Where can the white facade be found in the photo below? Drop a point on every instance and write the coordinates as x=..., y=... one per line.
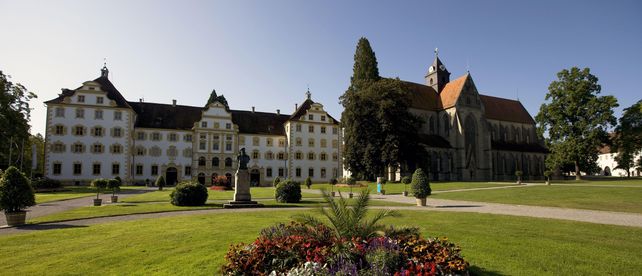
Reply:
x=93, y=132
x=608, y=166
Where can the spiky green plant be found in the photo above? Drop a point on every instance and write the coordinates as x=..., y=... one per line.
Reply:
x=348, y=219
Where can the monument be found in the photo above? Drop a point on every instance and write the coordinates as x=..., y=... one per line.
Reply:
x=242, y=196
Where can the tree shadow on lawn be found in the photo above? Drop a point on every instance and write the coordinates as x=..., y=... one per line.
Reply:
x=457, y=206
x=476, y=270
x=48, y=226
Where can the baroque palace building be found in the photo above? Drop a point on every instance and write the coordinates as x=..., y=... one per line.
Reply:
x=94, y=132
x=470, y=136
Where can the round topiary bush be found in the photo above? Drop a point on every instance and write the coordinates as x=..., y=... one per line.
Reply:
x=16, y=192
x=420, y=185
x=189, y=194
x=406, y=180
x=288, y=191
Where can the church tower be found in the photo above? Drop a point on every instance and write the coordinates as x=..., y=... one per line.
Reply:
x=437, y=75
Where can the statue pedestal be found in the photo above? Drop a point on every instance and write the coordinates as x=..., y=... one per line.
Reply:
x=242, y=196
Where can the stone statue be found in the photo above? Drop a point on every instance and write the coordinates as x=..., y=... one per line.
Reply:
x=243, y=159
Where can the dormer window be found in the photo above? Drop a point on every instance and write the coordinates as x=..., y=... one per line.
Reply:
x=203, y=124
x=310, y=117
x=323, y=118
x=81, y=98
x=99, y=100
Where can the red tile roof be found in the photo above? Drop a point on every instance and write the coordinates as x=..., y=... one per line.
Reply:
x=505, y=110
x=451, y=91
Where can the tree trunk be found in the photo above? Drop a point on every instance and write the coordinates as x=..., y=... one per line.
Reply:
x=577, y=171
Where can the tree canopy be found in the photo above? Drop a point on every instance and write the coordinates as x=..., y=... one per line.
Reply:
x=379, y=131
x=627, y=141
x=576, y=120
x=14, y=119
x=215, y=98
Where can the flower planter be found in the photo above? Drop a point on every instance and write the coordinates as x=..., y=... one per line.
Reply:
x=548, y=182
x=98, y=202
x=16, y=218
x=383, y=192
x=350, y=195
x=421, y=201
x=405, y=193
x=114, y=199
x=333, y=194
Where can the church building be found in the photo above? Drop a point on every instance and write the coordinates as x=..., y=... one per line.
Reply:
x=470, y=136
x=94, y=132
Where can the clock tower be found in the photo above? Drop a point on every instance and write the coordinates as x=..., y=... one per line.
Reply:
x=437, y=75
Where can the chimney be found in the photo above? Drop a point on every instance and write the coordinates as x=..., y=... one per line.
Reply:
x=173, y=103
x=140, y=100
x=252, y=109
x=296, y=106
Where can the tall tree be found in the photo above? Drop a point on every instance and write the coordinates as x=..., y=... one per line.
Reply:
x=14, y=119
x=627, y=141
x=576, y=119
x=215, y=98
x=379, y=131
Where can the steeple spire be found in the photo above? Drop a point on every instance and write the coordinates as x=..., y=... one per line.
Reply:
x=437, y=75
x=104, y=72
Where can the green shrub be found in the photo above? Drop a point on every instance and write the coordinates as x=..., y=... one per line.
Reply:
x=276, y=181
x=189, y=194
x=119, y=180
x=113, y=185
x=351, y=181
x=99, y=184
x=308, y=182
x=45, y=183
x=288, y=191
x=406, y=180
x=160, y=181
x=420, y=185
x=333, y=181
x=16, y=192
x=519, y=173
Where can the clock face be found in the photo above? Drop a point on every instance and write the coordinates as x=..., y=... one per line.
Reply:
x=431, y=69
x=442, y=67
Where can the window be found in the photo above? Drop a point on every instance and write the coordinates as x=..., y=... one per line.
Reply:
x=97, y=148
x=154, y=169
x=255, y=141
x=323, y=156
x=215, y=162
x=172, y=151
x=228, y=162
x=298, y=172
x=140, y=151
x=269, y=142
x=269, y=155
x=216, y=125
x=57, y=168
x=311, y=129
x=322, y=129
x=98, y=114
x=155, y=151
x=187, y=152
x=335, y=156
x=203, y=124
x=117, y=132
x=139, y=169
x=97, y=131
x=99, y=100
x=298, y=141
x=202, y=145
x=156, y=136
x=216, y=143
x=298, y=127
x=255, y=154
x=324, y=143
x=281, y=172
x=118, y=115
x=78, y=148
x=59, y=130
x=60, y=112
x=140, y=136
x=298, y=155
x=201, y=161
x=335, y=144
x=228, y=146
x=323, y=118
x=311, y=156
x=171, y=137
x=187, y=138
x=334, y=130
x=322, y=172
x=77, y=168
x=81, y=98
x=58, y=147
x=311, y=142
x=115, y=169
x=311, y=172
x=228, y=126
x=281, y=156
x=96, y=169
x=310, y=117
x=80, y=113
x=268, y=172
x=188, y=170
x=281, y=142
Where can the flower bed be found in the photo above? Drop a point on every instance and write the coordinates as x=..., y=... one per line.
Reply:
x=299, y=249
x=220, y=188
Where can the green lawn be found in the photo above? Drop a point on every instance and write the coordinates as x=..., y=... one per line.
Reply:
x=397, y=188
x=634, y=182
x=163, y=196
x=72, y=192
x=617, y=199
x=196, y=244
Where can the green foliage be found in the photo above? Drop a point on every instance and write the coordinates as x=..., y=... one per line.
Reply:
x=308, y=182
x=548, y=174
x=288, y=191
x=214, y=98
x=160, y=181
x=113, y=185
x=576, y=119
x=99, y=184
x=276, y=181
x=348, y=220
x=628, y=137
x=351, y=181
x=16, y=192
x=119, y=179
x=519, y=173
x=45, y=183
x=333, y=181
x=14, y=120
x=406, y=180
x=419, y=185
x=378, y=128
x=189, y=194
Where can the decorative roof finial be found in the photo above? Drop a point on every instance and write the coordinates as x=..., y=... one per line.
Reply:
x=104, y=72
x=436, y=52
x=308, y=95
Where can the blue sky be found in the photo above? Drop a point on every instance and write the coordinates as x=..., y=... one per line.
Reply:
x=266, y=53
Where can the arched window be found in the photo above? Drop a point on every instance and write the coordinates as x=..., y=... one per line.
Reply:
x=215, y=162
x=201, y=161
x=228, y=162
x=470, y=137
